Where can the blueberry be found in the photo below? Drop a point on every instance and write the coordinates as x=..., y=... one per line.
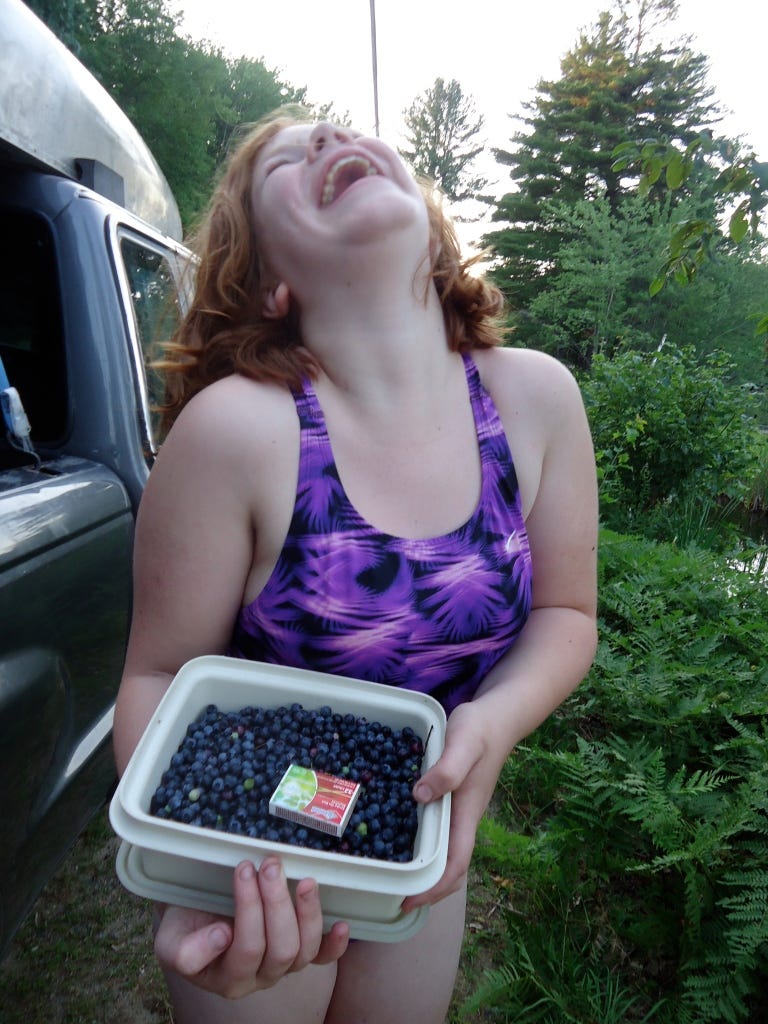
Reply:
x=228, y=765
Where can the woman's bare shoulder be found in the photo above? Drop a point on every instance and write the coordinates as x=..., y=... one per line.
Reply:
x=236, y=402
x=529, y=381
x=529, y=364
x=234, y=414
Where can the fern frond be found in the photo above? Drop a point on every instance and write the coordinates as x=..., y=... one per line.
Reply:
x=718, y=996
x=494, y=988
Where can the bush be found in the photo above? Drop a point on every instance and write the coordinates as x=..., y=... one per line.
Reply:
x=673, y=438
x=630, y=836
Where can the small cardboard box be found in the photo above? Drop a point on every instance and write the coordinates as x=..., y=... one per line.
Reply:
x=315, y=799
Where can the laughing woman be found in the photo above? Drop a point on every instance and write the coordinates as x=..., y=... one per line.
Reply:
x=358, y=479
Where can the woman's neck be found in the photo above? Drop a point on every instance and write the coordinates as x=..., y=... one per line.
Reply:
x=371, y=339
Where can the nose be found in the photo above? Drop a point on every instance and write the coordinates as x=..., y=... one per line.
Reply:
x=325, y=134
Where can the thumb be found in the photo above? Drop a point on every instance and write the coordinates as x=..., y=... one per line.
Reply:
x=198, y=950
x=186, y=949
x=458, y=759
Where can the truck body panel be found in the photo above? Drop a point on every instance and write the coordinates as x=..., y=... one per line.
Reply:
x=53, y=112
x=65, y=578
x=87, y=284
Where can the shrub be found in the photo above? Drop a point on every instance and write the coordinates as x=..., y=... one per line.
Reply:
x=673, y=437
x=629, y=840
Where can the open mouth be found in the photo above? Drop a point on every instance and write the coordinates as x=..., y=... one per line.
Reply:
x=342, y=174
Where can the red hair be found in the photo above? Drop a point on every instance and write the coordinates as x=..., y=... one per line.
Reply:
x=224, y=330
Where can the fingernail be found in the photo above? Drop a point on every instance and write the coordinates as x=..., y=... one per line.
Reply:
x=247, y=872
x=423, y=793
x=218, y=939
x=271, y=870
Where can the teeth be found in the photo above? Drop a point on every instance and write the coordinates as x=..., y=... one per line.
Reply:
x=329, y=188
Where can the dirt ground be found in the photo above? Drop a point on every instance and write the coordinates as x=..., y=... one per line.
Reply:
x=84, y=956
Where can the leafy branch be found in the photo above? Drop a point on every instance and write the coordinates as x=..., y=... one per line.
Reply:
x=692, y=240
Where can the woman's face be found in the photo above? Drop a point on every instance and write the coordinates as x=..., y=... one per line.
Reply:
x=323, y=195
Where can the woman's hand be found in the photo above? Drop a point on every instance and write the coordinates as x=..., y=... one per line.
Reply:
x=468, y=769
x=268, y=938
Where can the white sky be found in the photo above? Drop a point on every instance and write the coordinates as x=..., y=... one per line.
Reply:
x=496, y=49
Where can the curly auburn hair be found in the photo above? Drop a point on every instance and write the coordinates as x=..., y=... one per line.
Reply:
x=224, y=330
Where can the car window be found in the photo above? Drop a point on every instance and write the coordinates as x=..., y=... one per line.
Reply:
x=153, y=275
x=153, y=278
x=31, y=335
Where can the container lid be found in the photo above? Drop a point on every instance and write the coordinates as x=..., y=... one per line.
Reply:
x=130, y=871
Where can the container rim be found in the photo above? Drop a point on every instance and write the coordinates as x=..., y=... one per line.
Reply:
x=132, y=822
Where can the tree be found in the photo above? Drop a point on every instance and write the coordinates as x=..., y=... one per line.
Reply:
x=442, y=128
x=71, y=22
x=593, y=305
x=248, y=91
x=612, y=86
x=741, y=178
x=186, y=99
x=599, y=303
x=165, y=85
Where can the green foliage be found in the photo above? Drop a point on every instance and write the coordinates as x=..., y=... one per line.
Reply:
x=598, y=301
x=692, y=241
x=613, y=82
x=441, y=131
x=186, y=99
x=592, y=305
x=671, y=434
x=555, y=983
x=629, y=840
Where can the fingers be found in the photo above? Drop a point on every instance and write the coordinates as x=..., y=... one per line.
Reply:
x=443, y=777
x=243, y=959
x=281, y=923
x=309, y=915
x=464, y=747
x=334, y=944
x=468, y=769
x=452, y=879
x=271, y=934
x=461, y=843
x=316, y=947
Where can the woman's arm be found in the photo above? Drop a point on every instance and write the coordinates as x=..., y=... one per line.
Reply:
x=193, y=550
x=195, y=544
x=557, y=645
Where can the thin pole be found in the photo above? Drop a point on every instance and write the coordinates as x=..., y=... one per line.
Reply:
x=374, y=64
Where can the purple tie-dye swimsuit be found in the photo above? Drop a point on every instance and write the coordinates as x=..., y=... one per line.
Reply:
x=433, y=615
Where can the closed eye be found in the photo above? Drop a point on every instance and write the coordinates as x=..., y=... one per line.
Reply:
x=288, y=155
x=273, y=166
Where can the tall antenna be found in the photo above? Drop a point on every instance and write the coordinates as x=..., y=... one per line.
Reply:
x=375, y=67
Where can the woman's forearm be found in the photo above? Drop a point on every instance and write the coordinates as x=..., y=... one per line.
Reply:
x=551, y=657
x=136, y=703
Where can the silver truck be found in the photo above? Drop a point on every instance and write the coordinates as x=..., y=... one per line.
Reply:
x=91, y=270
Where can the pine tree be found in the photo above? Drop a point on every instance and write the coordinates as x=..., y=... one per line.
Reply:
x=613, y=86
x=442, y=127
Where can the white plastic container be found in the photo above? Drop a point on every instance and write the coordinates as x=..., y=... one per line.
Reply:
x=192, y=866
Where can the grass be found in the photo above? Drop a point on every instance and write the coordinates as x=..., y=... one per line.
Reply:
x=84, y=955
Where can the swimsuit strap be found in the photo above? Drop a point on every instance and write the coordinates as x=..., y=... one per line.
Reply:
x=494, y=452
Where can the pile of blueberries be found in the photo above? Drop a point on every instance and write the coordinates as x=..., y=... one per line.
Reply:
x=230, y=762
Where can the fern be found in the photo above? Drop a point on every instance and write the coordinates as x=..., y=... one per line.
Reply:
x=555, y=985
x=630, y=834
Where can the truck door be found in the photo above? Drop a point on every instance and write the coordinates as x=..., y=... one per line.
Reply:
x=66, y=528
